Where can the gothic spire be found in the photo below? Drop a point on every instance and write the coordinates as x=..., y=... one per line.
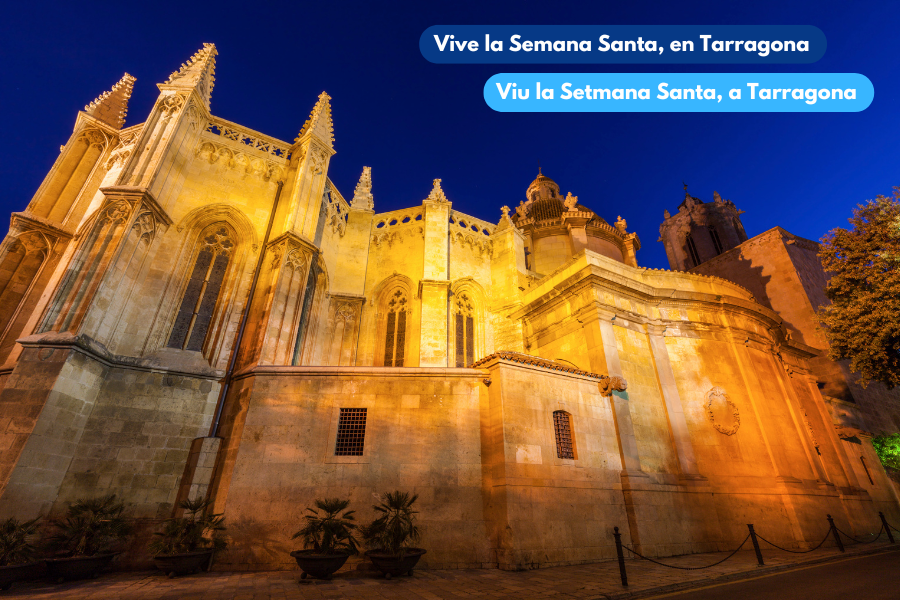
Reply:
x=198, y=72
x=362, y=197
x=112, y=106
x=319, y=121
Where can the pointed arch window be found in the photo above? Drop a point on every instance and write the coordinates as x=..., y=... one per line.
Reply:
x=692, y=249
x=565, y=444
x=464, y=330
x=395, y=332
x=203, y=289
x=717, y=243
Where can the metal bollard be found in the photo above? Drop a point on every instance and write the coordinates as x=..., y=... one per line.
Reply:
x=618, y=537
x=886, y=526
x=756, y=545
x=837, y=536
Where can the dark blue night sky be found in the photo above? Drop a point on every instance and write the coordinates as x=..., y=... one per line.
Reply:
x=412, y=121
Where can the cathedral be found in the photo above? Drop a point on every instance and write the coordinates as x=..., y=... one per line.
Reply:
x=192, y=308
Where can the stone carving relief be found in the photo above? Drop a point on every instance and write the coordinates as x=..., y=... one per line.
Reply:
x=316, y=160
x=170, y=105
x=571, y=202
x=477, y=245
x=717, y=403
x=230, y=159
x=621, y=225
x=94, y=137
x=812, y=434
x=116, y=212
x=346, y=312
x=123, y=149
x=145, y=225
x=608, y=385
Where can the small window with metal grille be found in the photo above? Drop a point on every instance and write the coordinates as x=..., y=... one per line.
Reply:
x=351, y=432
x=565, y=444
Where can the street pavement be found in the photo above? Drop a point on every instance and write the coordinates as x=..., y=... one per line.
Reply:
x=826, y=573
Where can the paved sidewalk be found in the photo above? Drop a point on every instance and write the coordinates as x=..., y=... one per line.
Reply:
x=599, y=580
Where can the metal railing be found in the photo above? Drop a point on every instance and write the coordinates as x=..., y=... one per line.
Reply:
x=755, y=538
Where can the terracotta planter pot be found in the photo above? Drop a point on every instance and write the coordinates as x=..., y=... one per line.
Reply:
x=10, y=574
x=392, y=565
x=320, y=566
x=80, y=567
x=184, y=563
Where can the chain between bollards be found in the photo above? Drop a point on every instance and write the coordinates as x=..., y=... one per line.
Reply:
x=837, y=536
x=759, y=557
x=886, y=526
x=621, y=556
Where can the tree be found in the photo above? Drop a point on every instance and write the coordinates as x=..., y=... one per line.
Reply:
x=863, y=321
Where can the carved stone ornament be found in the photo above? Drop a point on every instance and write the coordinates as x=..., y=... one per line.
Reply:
x=571, y=202
x=717, y=401
x=612, y=384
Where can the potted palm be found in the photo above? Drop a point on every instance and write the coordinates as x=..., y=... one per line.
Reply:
x=85, y=540
x=187, y=543
x=17, y=553
x=327, y=538
x=389, y=535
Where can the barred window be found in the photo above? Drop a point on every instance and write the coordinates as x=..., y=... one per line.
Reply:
x=562, y=423
x=351, y=433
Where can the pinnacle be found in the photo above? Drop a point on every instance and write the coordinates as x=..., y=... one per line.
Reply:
x=437, y=194
x=198, y=72
x=362, y=196
x=112, y=106
x=319, y=121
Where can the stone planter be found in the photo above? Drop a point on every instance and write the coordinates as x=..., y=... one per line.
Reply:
x=392, y=565
x=79, y=567
x=320, y=566
x=184, y=563
x=10, y=574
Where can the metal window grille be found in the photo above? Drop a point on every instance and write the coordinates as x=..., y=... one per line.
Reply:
x=351, y=434
x=562, y=423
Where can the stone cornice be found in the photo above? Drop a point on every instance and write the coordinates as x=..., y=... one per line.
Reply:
x=18, y=219
x=97, y=351
x=140, y=194
x=533, y=361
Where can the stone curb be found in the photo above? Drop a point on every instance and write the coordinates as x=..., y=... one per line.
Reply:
x=738, y=576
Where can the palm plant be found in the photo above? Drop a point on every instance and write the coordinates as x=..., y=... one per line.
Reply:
x=90, y=527
x=330, y=532
x=15, y=547
x=198, y=529
x=395, y=527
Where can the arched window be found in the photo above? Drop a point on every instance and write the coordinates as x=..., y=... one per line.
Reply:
x=717, y=243
x=565, y=442
x=465, y=330
x=395, y=331
x=692, y=250
x=202, y=292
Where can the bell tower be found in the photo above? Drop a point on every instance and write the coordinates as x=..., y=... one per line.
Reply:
x=700, y=231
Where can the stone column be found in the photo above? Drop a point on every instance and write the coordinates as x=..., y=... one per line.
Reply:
x=434, y=287
x=674, y=409
x=631, y=461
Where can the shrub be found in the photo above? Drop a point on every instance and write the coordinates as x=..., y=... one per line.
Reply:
x=199, y=529
x=15, y=547
x=90, y=527
x=395, y=528
x=330, y=532
x=888, y=449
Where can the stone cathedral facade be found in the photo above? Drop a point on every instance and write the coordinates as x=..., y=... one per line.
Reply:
x=189, y=307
